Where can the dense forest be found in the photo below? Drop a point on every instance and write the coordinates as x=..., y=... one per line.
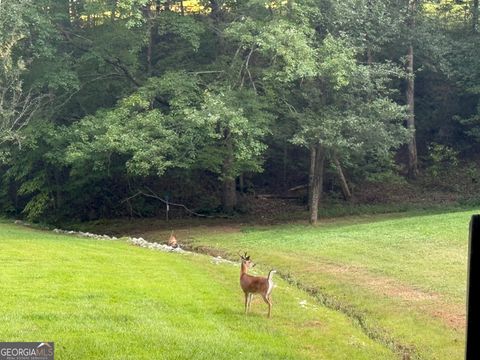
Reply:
x=109, y=108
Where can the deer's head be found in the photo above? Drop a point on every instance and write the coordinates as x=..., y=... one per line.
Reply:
x=246, y=261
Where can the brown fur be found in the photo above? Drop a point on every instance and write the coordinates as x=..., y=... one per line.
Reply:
x=172, y=241
x=253, y=285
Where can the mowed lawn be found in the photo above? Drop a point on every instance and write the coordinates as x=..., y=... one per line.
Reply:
x=402, y=278
x=110, y=300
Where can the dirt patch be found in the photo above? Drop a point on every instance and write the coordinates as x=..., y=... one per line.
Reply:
x=451, y=316
x=380, y=284
x=314, y=324
x=434, y=304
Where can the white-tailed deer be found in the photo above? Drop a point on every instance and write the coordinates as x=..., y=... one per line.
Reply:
x=255, y=284
x=172, y=241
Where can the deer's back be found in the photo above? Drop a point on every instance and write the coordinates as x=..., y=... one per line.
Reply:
x=253, y=284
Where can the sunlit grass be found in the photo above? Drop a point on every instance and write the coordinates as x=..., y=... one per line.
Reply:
x=404, y=277
x=109, y=300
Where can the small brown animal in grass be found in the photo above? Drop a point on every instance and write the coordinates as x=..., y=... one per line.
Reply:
x=172, y=241
x=255, y=284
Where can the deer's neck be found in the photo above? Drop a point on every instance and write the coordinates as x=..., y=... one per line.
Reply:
x=243, y=269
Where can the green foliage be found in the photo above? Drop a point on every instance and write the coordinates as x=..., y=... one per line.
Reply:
x=337, y=62
x=169, y=123
x=185, y=27
x=111, y=132
x=442, y=159
x=38, y=205
x=105, y=97
x=349, y=108
x=234, y=128
x=33, y=167
x=369, y=24
x=18, y=102
x=388, y=176
x=288, y=46
x=133, y=129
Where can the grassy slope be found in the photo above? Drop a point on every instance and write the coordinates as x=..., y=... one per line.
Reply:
x=109, y=300
x=404, y=279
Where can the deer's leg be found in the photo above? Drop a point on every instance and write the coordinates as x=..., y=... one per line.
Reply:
x=250, y=297
x=269, y=302
x=246, y=303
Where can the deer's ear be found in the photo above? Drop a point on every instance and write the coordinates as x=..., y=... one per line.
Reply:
x=247, y=258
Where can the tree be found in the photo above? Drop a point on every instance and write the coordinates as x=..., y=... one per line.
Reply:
x=348, y=110
x=236, y=126
x=410, y=94
x=475, y=16
x=142, y=93
x=18, y=103
x=319, y=78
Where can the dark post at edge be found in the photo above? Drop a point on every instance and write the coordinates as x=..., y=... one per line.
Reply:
x=472, y=349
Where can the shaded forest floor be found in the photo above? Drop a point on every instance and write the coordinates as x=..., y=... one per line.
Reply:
x=369, y=198
x=373, y=199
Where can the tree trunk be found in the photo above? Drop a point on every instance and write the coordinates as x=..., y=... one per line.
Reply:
x=58, y=189
x=317, y=183
x=229, y=195
x=73, y=12
x=149, y=15
x=61, y=10
x=114, y=10
x=343, y=182
x=475, y=16
x=241, y=183
x=410, y=95
x=284, y=168
x=369, y=56
x=313, y=154
x=149, y=49
x=367, y=36
x=412, y=145
x=215, y=8
x=229, y=198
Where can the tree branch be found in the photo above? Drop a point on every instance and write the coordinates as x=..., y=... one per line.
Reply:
x=153, y=195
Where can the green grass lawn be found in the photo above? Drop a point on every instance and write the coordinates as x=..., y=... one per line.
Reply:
x=401, y=278
x=110, y=300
